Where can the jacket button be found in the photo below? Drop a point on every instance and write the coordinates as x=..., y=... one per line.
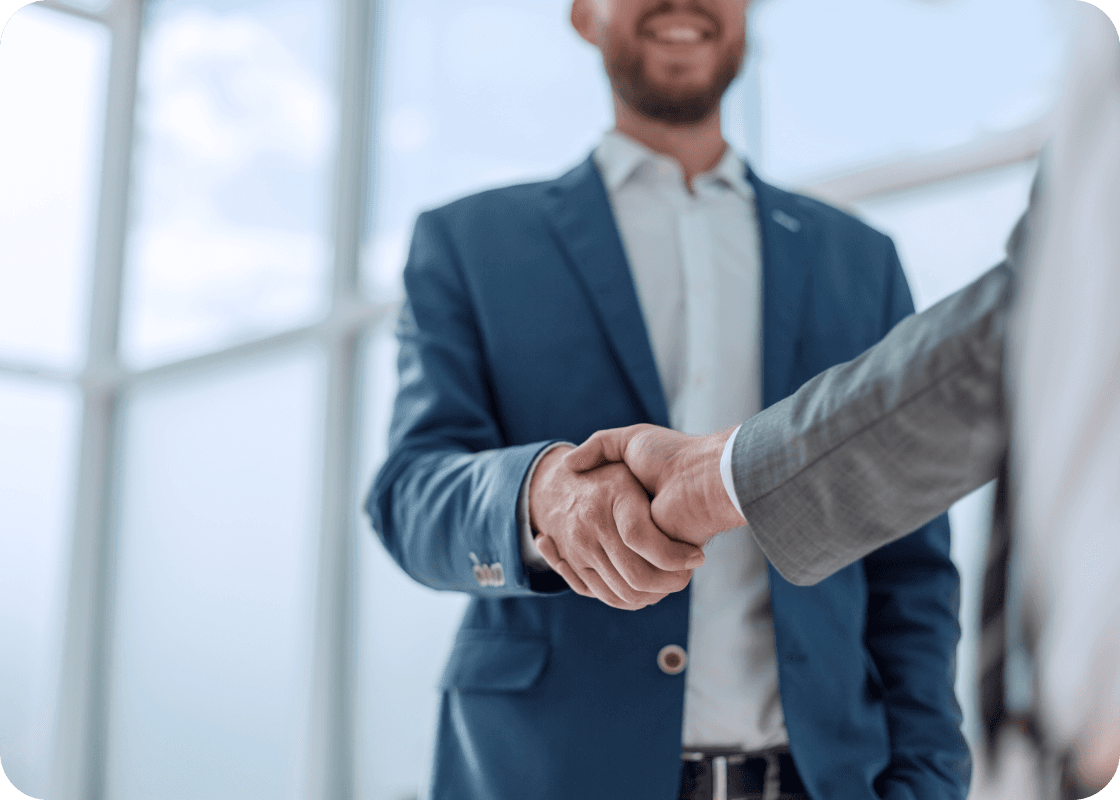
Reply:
x=672, y=659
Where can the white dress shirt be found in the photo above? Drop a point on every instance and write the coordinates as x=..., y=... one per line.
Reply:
x=695, y=258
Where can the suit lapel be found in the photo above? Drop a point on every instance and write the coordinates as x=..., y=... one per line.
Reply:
x=580, y=213
x=789, y=245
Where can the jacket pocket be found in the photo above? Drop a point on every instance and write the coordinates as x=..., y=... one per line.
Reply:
x=495, y=661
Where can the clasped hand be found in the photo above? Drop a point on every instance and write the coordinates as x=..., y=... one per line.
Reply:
x=597, y=528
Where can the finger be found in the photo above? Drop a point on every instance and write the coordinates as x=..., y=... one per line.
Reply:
x=619, y=586
x=574, y=581
x=599, y=587
x=676, y=526
x=600, y=448
x=586, y=557
x=547, y=547
x=639, y=574
x=638, y=532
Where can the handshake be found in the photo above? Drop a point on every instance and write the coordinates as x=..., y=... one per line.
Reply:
x=596, y=526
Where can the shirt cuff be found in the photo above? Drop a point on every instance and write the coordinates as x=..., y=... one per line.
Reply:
x=725, y=471
x=532, y=557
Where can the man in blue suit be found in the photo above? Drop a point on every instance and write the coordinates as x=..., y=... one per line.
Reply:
x=654, y=279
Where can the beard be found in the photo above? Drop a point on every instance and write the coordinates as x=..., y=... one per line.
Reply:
x=630, y=79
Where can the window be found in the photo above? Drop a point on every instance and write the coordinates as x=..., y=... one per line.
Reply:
x=204, y=210
x=236, y=117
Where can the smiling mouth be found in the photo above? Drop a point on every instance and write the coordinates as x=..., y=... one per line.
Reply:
x=675, y=28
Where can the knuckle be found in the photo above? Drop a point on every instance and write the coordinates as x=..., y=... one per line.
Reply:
x=582, y=541
x=630, y=530
x=593, y=516
x=640, y=582
x=643, y=577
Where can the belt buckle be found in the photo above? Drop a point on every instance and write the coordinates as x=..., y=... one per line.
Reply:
x=772, y=780
x=719, y=778
x=719, y=773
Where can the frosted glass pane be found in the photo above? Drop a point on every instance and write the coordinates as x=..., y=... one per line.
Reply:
x=88, y=5
x=862, y=81
x=215, y=585
x=52, y=107
x=405, y=629
x=474, y=95
x=948, y=233
x=236, y=118
x=38, y=448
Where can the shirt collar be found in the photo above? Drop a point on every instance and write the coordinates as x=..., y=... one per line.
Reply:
x=618, y=157
x=733, y=171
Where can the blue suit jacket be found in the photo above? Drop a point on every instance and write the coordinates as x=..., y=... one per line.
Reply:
x=521, y=327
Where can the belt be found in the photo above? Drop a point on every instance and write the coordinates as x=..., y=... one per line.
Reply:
x=725, y=774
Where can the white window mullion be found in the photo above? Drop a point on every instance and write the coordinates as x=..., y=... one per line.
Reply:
x=105, y=16
x=976, y=157
x=77, y=771
x=331, y=740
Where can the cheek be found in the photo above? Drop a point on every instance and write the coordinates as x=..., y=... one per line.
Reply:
x=734, y=22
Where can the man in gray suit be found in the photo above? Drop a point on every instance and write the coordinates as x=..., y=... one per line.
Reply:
x=1027, y=360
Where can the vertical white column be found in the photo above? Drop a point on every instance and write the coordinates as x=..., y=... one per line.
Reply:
x=81, y=725
x=331, y=738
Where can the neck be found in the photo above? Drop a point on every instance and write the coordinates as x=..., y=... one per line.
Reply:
x=698, y=147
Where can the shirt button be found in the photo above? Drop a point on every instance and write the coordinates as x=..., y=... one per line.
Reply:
x=672, y=659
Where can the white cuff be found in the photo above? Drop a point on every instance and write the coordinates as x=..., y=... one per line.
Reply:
x=725, y=471
x=532, y=557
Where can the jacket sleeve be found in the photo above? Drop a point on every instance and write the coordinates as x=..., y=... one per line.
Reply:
x=912, y=635
x=874, y=448
x=445, y=501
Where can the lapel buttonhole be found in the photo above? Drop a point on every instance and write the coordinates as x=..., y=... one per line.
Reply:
x=791, y=224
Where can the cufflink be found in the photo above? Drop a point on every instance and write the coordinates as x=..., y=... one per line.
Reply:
x=487, y=575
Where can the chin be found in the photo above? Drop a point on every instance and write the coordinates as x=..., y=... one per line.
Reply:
x=683, y=78
x=679, y=92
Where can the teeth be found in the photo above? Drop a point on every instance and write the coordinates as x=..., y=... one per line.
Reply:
x=680, y=35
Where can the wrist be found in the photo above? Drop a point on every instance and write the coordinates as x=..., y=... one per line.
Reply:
x=703, y=474
x=543, y=477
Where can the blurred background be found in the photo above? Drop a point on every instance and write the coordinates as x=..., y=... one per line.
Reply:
x=205, y=207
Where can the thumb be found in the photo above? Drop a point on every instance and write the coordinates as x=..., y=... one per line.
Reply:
x=599, y=449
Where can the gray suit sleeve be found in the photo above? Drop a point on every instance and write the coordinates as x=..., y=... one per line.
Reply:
x=873, y=449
